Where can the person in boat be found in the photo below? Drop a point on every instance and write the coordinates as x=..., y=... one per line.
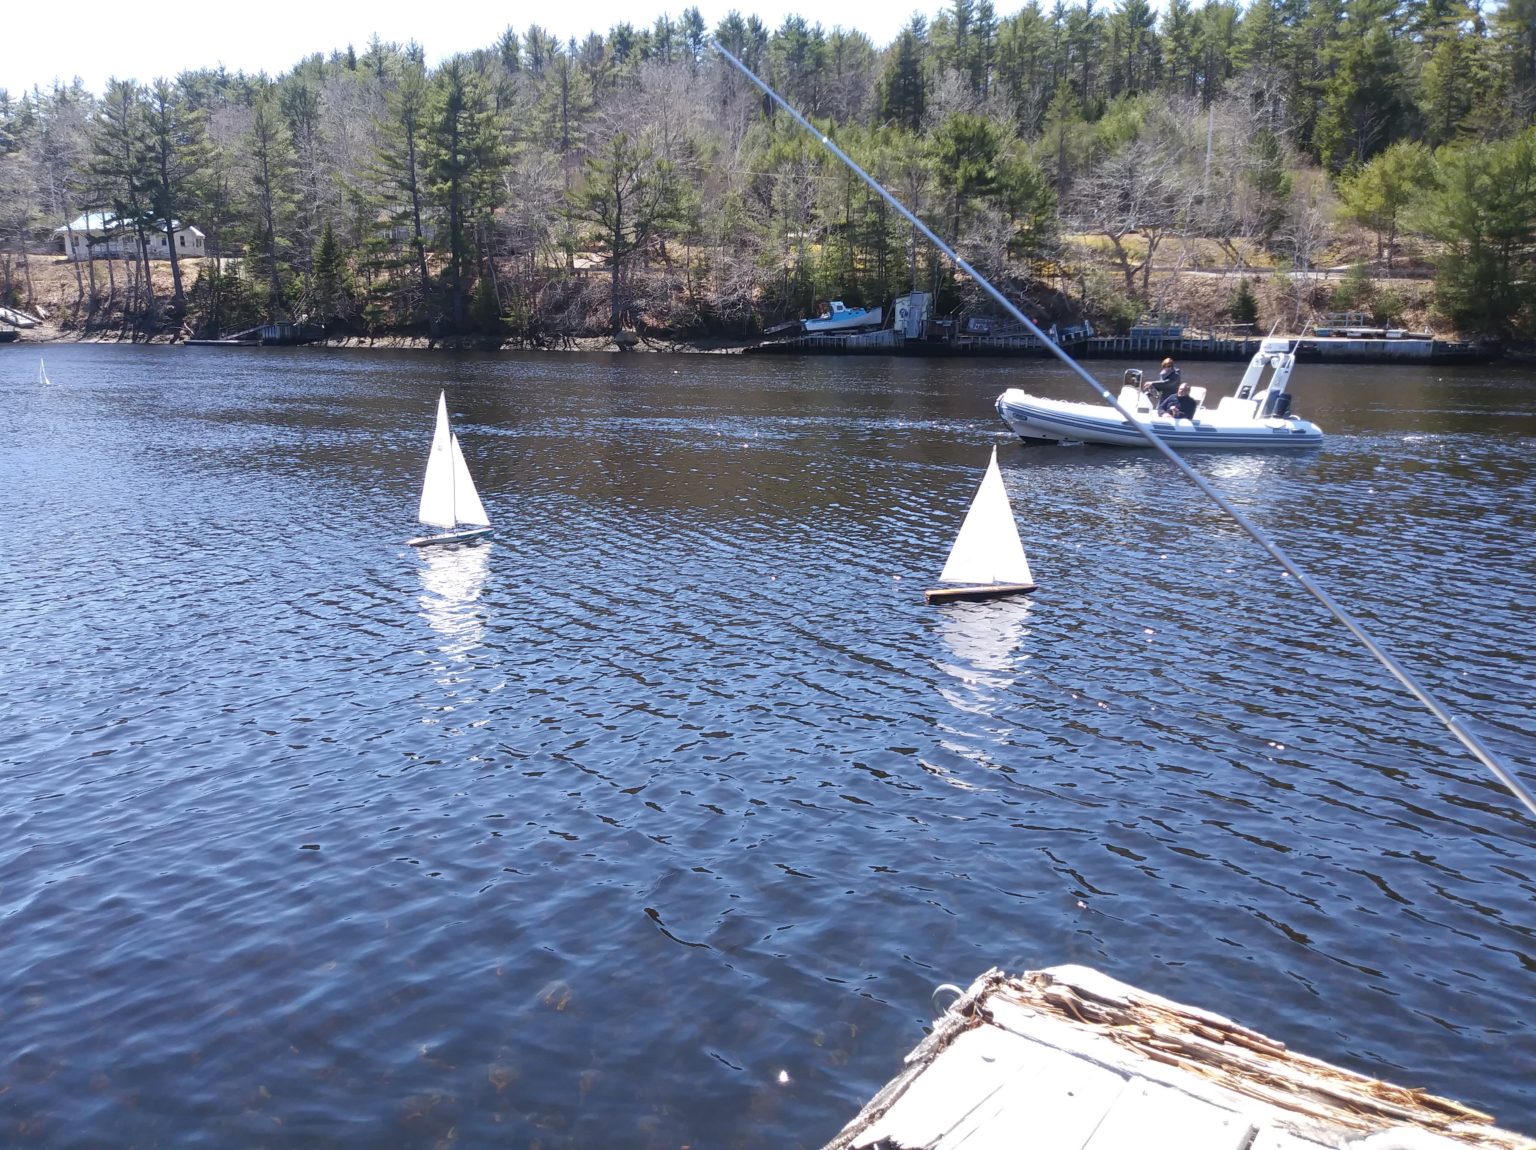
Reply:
x=1167, y=381
x=1180, y=405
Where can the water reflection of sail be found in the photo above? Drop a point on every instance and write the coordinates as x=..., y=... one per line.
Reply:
x=985, y=639
x=452, y=579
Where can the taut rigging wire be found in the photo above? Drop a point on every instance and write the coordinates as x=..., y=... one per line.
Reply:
x=1454, y=724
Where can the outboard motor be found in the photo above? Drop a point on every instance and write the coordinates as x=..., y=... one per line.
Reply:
x=1277, y=404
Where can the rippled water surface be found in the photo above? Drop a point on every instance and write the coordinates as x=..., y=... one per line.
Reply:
x=656, y=821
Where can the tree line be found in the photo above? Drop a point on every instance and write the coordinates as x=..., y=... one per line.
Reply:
x=537, y=189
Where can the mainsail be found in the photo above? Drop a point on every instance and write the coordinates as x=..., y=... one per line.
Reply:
x=988, y=548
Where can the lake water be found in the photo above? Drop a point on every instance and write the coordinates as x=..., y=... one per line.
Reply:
x=656, y=821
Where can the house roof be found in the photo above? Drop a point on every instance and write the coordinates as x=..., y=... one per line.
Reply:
x=101, y=221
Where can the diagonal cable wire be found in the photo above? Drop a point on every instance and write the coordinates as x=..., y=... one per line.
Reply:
x=1401, y=673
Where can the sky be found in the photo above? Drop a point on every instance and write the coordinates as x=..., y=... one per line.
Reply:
x=94, y=40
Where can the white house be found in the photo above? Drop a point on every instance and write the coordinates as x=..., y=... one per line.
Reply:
x=98, y=235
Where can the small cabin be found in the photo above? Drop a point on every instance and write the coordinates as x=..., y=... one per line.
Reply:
x=913, y=313
x=100, y=235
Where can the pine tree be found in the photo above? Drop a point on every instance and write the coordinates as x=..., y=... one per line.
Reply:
x=798, y=66
x=1180, y=62
x=1455, y=85
x=333, y=285
x=1366, y=104
x=1514, y=44
x=1481, y=209
x=904, y=86
x=965, y=152
x=269, y=154
x=1133, y=28
x=174, y=130
x=401, y=169
x=1216, y=46
x=1269, y=176
x=122, y=172
x=1245, y=308
x=467, y=158
x=1023, y=67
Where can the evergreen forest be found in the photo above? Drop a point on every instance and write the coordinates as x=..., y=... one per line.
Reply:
x=1081, y=157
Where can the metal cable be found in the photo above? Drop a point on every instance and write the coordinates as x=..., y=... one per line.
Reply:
x=1399, y=672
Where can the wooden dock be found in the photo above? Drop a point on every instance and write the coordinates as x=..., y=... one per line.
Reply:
x=879, y=342
x=283, y=334
x=1071, y=1059
x=1309, y=349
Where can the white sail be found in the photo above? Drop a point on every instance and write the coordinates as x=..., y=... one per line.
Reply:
x=988, y=548
x=449, y=500
x=437, y=500
x=467, y=507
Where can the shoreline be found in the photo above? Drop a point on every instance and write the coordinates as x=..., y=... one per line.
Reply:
x=46, y=333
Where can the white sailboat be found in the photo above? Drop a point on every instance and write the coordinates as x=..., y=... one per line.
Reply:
x=448, y=496
x=42, y=372
x=987, y=559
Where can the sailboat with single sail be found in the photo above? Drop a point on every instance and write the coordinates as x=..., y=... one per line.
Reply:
x=987, y=560
x=42, y=372
x=448, y=496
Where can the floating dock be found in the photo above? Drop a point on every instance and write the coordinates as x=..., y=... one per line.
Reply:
x=1071, y=1059
x=268, y=335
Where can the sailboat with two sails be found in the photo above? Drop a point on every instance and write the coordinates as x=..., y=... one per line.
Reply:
x=448, y=497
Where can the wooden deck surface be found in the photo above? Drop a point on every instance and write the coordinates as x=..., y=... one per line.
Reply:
x=1070, y=1059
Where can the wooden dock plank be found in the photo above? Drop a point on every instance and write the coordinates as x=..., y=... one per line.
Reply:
x=1062, y=1108
x=1151, y=1116
x=1070, y=1059
x=981, y=1063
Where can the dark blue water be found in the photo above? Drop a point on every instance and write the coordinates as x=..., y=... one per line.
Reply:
x=656, y=821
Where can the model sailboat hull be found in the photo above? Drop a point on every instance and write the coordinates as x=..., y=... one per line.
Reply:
x=980, y=591
x=467, y=535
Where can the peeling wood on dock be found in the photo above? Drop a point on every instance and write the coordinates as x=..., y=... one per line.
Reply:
x=1071, y=1059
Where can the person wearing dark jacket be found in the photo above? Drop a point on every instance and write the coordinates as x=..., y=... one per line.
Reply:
x=1180, y=405
x=1167, y=381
